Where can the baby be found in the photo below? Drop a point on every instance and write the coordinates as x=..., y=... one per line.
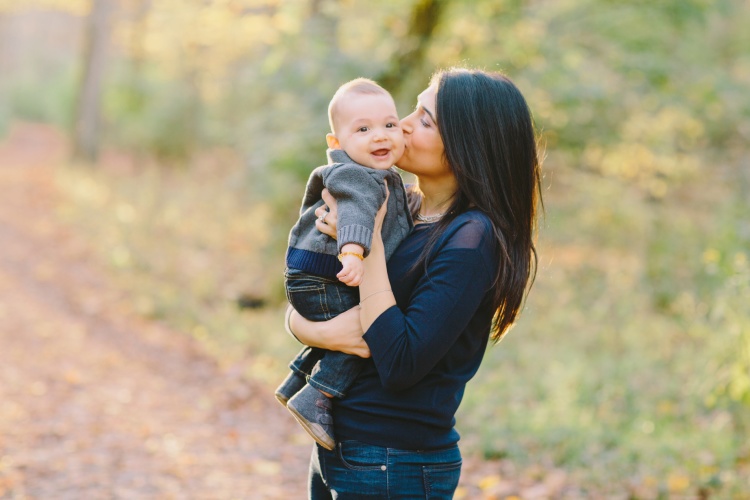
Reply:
x=322, y=273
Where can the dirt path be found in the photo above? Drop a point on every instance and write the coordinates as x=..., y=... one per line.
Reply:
x=98, y=404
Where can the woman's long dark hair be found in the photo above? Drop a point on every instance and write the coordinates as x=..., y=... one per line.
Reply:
x=491, y=147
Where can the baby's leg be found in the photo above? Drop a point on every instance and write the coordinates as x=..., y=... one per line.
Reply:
x=335, y=373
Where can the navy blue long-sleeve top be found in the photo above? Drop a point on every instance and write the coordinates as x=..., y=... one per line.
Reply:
x=426, y=347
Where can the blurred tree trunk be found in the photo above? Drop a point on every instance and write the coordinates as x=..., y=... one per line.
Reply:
x=324, y=25
x=425, y=17
x=137, y=36
x=86, y=130
x=3, y=54
x=318, y=41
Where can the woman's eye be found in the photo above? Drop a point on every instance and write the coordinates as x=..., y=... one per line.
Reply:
x=424, y=122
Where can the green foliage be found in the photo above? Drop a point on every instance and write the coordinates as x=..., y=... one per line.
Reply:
x=157, y=116
x=726, y=287
x=631, y=358
x=633, y=90
x=25, y=96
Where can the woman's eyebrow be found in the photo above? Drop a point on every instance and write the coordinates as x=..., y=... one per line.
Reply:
x=429, y=113
x=421, y=106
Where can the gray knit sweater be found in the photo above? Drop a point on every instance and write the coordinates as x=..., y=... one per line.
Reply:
x=359, y=193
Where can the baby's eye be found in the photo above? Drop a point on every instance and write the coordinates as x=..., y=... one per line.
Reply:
x=391, y=125
x=362, y=129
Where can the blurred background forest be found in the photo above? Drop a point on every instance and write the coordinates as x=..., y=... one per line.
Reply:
x=193, y=126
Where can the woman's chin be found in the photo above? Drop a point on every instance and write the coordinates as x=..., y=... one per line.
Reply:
x=403, y=165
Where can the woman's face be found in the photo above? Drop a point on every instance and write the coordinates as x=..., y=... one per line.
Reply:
x=424, y=152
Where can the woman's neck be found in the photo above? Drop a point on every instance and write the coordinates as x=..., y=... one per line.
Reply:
x=436, y=196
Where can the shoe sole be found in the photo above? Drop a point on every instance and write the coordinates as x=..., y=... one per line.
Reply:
x=281, y=399
x=311, y=429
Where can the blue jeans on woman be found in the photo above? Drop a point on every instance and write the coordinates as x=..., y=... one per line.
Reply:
x=355, y=470
x=318, y=298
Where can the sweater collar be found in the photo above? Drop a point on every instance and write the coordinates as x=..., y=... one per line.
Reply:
x=338, y=156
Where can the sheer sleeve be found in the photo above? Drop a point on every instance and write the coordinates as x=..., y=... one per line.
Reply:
x=406, y=343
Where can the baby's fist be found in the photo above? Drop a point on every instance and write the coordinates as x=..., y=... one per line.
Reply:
x=353, y=270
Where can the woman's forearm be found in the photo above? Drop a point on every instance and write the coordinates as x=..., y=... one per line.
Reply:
x=375, y=293
x=301, y=329
x=342, y=333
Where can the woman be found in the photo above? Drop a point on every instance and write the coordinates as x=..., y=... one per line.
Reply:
x=426, y=316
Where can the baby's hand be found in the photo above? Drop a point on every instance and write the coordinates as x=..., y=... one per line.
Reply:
x=353, y=270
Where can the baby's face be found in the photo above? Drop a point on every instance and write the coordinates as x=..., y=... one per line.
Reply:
x=368, y=130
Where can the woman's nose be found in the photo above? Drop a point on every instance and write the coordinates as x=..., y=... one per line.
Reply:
x=406, y=126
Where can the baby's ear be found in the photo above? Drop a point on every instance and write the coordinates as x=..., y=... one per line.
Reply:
x=333, y=142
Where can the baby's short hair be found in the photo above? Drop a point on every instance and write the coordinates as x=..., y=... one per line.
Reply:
x=356, y=86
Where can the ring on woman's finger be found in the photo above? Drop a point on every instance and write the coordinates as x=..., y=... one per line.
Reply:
x=322, y=218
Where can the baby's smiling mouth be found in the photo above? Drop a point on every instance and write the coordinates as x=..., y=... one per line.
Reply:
x=381, y=152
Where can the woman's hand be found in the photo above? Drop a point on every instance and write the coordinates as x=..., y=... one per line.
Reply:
x=380, y=216
x=377, y=238
x=375, y=289
x=342, y=333
x=327, y=215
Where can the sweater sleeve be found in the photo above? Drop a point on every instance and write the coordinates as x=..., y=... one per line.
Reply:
x=313, y=189
x=406, y=344
x=359, y=192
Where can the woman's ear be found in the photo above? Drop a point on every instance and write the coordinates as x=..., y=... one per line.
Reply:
x=333, y=142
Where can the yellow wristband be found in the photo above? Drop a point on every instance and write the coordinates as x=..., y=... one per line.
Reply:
x=344, y=254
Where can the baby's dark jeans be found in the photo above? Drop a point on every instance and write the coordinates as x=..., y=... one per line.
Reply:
x=318, y=298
